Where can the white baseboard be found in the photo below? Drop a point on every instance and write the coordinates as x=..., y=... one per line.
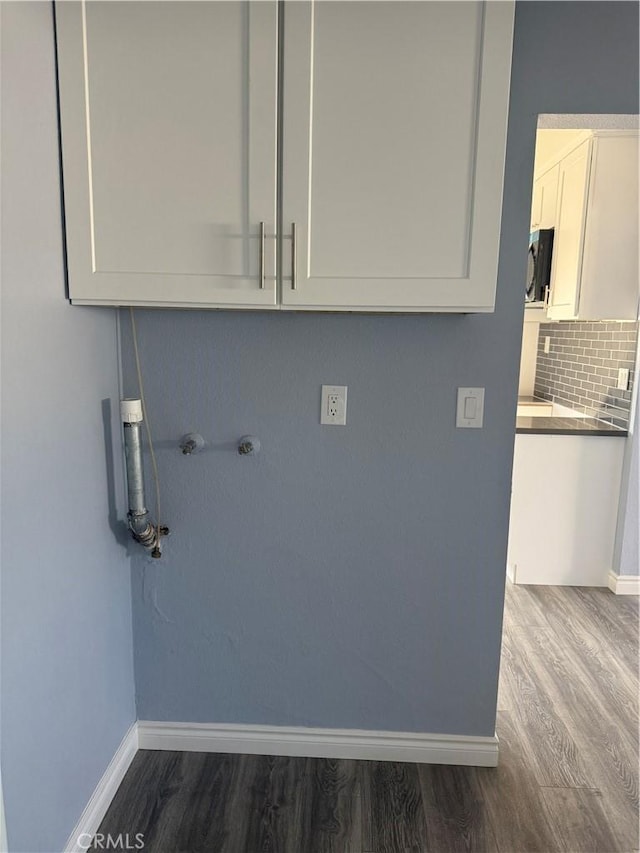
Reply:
x=320, y=743
x=106, y=788
x=624, y=584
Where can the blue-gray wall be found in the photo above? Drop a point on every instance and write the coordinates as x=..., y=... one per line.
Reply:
x=67, y=664
x=354, y=576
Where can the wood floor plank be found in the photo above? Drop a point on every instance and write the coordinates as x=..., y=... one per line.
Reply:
x=264, y=810
x=523, y=607
x=393, y=815
x=507, y=688
x=143, y=802
x=609, y=751
x=619, y=787
x=505, y=697
x=618, y=610
x=591, y=690
x=586, y=625
x=204, y=803
x=133, y=801
x=622, y=608
x=331, y=806
x=545, y=738
x=455, y=813
x=579, y=821
x=512, y=797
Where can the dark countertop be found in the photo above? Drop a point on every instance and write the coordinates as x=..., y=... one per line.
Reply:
x=566, y=426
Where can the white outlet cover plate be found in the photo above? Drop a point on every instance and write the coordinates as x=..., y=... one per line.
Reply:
x=470, y=410
x=333, y=406
x=623, y=378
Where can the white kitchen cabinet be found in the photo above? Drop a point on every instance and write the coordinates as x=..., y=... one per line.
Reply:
x=564, y=507
x=573, y=183
x=390, y=126
x=545, y=196
x=594, y=273
x=393, y=154
x=168, y=116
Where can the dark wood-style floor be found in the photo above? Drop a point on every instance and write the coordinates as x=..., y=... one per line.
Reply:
x=567, y=779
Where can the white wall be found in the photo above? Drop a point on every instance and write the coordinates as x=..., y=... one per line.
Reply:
x=626, y=558
x=528, y=359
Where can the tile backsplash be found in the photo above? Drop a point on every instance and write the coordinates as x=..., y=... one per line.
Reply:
x=581, y=368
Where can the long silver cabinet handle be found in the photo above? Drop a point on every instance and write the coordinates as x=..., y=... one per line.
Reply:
x=262, y=256
x=294, y=284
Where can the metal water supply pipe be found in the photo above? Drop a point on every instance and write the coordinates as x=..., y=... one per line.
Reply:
x=139, y=521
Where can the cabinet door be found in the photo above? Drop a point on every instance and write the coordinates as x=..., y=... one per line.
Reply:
x=573, y=182
x=610, y=254
x=545, y=197
x=536, y=205
x=393, y=152
x=168, y=113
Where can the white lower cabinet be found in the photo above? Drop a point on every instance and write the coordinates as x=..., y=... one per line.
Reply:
x=564, y=508
x=388, y=124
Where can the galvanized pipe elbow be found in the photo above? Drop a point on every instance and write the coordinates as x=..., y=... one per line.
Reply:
x=142, y=528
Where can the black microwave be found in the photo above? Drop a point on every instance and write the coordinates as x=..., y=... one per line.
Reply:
x=539, y=264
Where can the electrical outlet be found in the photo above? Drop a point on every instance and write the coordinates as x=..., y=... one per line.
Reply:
x=623, y=378
x=333, y=408
x=547, y=344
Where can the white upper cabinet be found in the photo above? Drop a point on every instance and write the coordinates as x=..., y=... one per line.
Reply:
x=388, y=122
x=545, y=196
x=595, y=252
x=394, y=136
x=169, y=151
x=573, y=179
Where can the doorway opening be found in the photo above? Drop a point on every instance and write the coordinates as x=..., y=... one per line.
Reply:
x=573, y=475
